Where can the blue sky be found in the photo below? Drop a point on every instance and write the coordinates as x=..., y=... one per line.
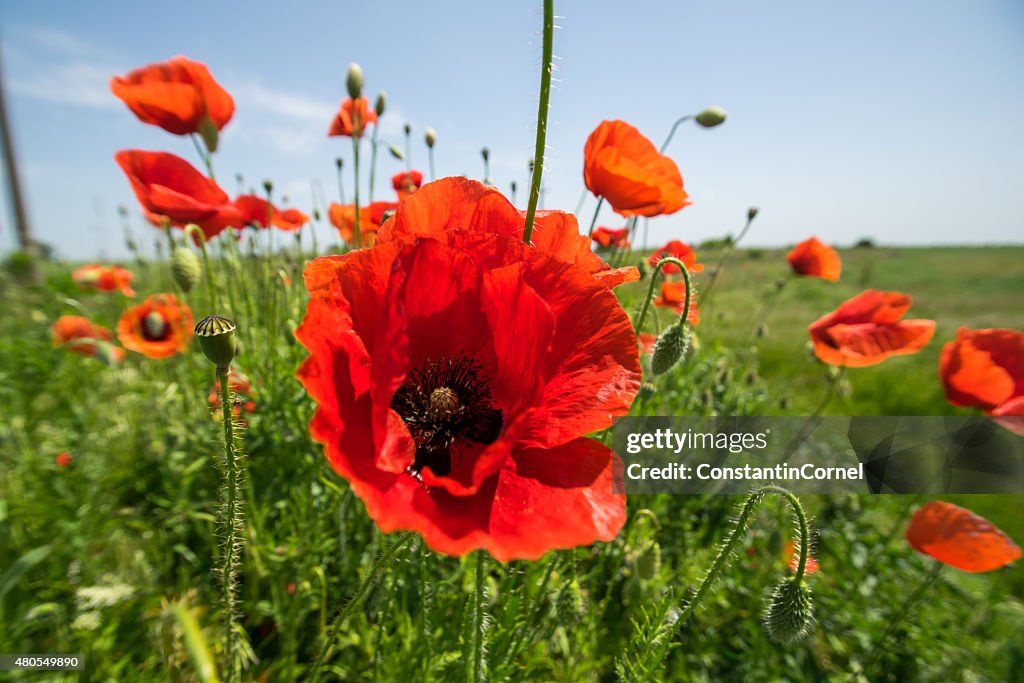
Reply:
x=898, y=121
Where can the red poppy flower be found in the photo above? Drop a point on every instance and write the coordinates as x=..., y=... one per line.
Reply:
x=456, y=377
x=984, y=368
x=261, y=213
x=406, y=182
x=77, y=334
x=62, y=459
x=352, y=119
x=462, y=204
x=159, y=327
x=168, y=185
x=646, y=341
x=175, y=95
x=867, y=329
x=816, y=259
x=289, y=220
x=625, y=168
x=241, y=390
x=104, y=278
x=609, y=238
x=673, y=295
x=680, y=250
x=960, y=538
x=370, y=219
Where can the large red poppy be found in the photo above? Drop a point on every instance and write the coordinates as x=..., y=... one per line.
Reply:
x=984, y=368
x=680, y=250
x=406, y=182
x=673, y=295
x=611, y=238
x=370, y=218
x=352, y=118
x=458, y=203
x=261, y=213
x=456, y=376
x=159, y=327
x=814, y=258
x=78, y=334
x=104, y=278
x=867, y=329
x=176, y=95
x=626, y=168
x=960, y=538
x=167, y=185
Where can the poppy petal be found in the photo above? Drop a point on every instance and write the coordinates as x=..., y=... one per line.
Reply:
x=960, y=538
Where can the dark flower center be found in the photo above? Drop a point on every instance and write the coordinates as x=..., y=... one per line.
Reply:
x=446, y=406
x=155, y=327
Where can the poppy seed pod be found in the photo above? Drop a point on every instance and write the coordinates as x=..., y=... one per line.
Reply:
x=430, y=137
x=354, y=81
x=711, y=117
x=396, y=153
x=186, y=269
x=789, y=613
x=381, y=103
x=668, y=349
x=217, y=340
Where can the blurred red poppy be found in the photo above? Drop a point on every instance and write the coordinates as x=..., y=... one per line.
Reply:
x=352, y=119
x=241, y=391
x=462, y=204
x=867, y=329
x=680, y=250
x=646, y=341
x=104, y=278
x=406, y=182
x=176, y=95
x=985, y=368
x=456, y=376
x=159, y=327
x=289, y=220
x=816, y=259
x=626, y=169
x=610, y=238
x=673, y=295
x=960, y=538
x=261, y=213
x=62, y=459
x=168, y=185
x=370, y=218
x=810, y=568
x=77, y=334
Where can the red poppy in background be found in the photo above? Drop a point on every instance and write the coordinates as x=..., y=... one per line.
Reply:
x=290, y=220
x=985, y=368
x=673, y=295
x=176, y=95
x=610, y=238
x=241, y=390
x=815, y=259
x=680, y=250
x=406, y=182
x=462, y=204
x=370, y=218
x=62, y=459
x=456, y=376
x=960, y=538
x=810, y=568
x=625, y=168
x=261, y=213
x=104, y=278
x=646, y=341
x=167, y=185
x=77, y=334
x=352, y=119
x=159, y=327
x=867, y=329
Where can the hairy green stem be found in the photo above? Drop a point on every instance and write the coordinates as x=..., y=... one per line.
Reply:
x=231, y=522
x=650, y=292
x=542, y=116
x=475, y=667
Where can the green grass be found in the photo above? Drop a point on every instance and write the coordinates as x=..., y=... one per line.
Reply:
x=113, y=557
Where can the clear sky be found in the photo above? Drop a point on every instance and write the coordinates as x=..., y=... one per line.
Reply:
x=902, y=121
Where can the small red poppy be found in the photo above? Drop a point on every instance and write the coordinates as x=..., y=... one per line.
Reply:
x=352, y=119
x=406, y=182
x=462, y=204
x=77, y=334
x=867, y=329
x=960, y=538
x=456, y=376
x=673, y=295
x=159, y=327
x=261, y=213
x=175, y=95
x=816, y=259
x=167, y=185
x=370, y=218
x=104, y=278
x=680, y=250
x=984, y=368
x=626, y=169
x=646, y=341
x=609, y=238
x=62, y=459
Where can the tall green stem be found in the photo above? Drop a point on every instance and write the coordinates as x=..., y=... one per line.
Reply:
x=475, y=667
x=672, y=131
x=650, y=292
x=357, y=232
x=373, y=161
x=726, y=253
x=232, y=524
x=593, y=221
x=542, y=116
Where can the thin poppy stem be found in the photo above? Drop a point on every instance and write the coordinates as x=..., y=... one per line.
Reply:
x=583, y=198
x=356, y=233
x=204, y=154
x=650, y=292
x=831, y=392
x=373, y=161
x=408, y=152
x=430, y=160
x=542, y=116
x=593, y=221
x=232, y=522
x=769, y=305
x=726, y=253
x=475, y=667
x=672, y=131
x=341, y=184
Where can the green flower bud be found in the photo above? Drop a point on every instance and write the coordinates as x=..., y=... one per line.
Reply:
x=648, y=562
x=268, y=186
x=408, y=130
x=485, y=153
x=381, y=103
x=209, y=133
x=752, y=213
x=569, y=603
x=396, y=152
x=430, y=137
x=186, y=269
x=217, y=340
x=668, y=349
x=339, y=162
x=354, y=81
x=789, y=613
x=711, y=117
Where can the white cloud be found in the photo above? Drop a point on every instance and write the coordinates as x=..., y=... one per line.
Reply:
x=76, y=83
x=251, y=95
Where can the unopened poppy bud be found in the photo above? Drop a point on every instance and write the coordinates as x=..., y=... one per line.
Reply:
x=209, y=133
x=354, y=81
x=430, y=137
x=268, y=186
x=485, y=153
x=752, y=213
x=386, y=215
x=339, y=162
x=396, y=153
x=648, y=562
x=789, y=613
x=647, y=391
x=381, y=103
x=514, y=186
x=316, y=215
x=761, y=331
x=186, y=269
x=217, y=340
x=711, y=117
x=569, y=603
x=408, y=130
x=668, y=349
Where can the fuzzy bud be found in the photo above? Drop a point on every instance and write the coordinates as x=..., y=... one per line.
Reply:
x=381, y=103
x=217, y=340
x=711, y=117
x=430, y=137
x=485, y=153
x=408, y=130
x=354, y=81
x=569, y=603
x=339, y=162
x=648, y=562
x=752, y=213
x=396, y=153
x=186, y=269
x=788, y=612
x=668, y=349
x=268, y=186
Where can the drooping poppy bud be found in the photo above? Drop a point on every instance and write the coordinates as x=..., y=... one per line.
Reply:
x=668, y=349
x=648, y=562
x=789, y=612
x=217, y=340
x=186, y=269
x=396, y=152
x=354, y=81
x=752, y=213
x=711, y=117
